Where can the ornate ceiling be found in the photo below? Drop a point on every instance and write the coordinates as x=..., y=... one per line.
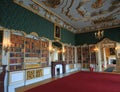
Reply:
x=78, y=16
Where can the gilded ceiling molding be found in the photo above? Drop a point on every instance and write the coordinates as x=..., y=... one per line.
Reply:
x=81, y=12
x=97, y=4
x=21, y=3
x=104, y=26
x=68, y=9
x=93, y=14
x=35, y=7
x=115, y=2
x=69, y=15
x=103, y=19
x=45, y=13
x=52, y=3
x=57, y=18
x=63, y=9
x=109, y=18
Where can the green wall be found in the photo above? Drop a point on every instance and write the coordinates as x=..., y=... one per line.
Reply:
x=67, y=37
x=89, y=38
x=13, y=16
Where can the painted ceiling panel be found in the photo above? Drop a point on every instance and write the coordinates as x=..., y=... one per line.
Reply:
x=78, y=16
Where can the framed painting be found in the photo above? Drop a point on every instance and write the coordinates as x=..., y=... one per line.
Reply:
x=112, y=51
x=57, y=32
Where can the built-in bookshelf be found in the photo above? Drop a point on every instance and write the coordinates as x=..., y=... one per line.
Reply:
x=92, y=54
x=85, y=56
x=32, y=52
x=44, y=53
x=27, y=51
x=69, y=54
x=79, y=55
x=16, y=52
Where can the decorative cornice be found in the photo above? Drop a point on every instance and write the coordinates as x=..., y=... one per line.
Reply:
x=83, y=14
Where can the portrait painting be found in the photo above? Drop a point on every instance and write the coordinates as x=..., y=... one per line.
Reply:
x=57, y=32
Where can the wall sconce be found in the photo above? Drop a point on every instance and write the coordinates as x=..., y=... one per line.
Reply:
x=6, y=46
x=117, y=47
x=63, y=51
x=96, y=49
x=99, y=34
x=51, y=49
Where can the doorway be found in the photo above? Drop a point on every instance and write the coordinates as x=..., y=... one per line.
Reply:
x=57, y=52
x=107, y=55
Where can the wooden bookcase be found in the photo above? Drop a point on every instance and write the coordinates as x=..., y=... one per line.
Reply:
x=79, y=60
x=32, y=52
x=92, y=54
x=69, y=54
x=27, y=52
x=86, y=55
x=44, y=53
x=16, y=52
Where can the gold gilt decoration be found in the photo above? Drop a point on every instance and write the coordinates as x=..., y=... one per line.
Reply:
x=80, y=11
x=30, y=74
x=39, y=72
x=99, y=34
x=103, y=19
x=63, y=8
x=97, y=4
x=35, y=7
x=34, y=34
x=68, y=9
x=52, y=3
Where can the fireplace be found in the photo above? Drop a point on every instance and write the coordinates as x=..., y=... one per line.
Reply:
x=53, y=65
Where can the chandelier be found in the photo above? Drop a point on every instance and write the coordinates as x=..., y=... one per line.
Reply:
x=99, y=34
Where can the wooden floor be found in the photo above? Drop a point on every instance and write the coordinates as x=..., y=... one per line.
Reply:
x=24, y=88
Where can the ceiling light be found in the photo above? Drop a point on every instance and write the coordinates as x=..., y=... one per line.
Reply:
x=99, y=34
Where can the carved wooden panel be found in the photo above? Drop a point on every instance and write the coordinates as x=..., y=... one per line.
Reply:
x=39, y=72
x=30, y=74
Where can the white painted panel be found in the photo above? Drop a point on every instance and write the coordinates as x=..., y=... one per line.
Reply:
x=16, y=76
x=47, y=71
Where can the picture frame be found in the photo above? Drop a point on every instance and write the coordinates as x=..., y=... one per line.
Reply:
x=112, y=51
x=57, y=32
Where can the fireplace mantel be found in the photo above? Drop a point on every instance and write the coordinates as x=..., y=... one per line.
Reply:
x=56, y=63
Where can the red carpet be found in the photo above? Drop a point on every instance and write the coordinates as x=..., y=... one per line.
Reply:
x=82, y=82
